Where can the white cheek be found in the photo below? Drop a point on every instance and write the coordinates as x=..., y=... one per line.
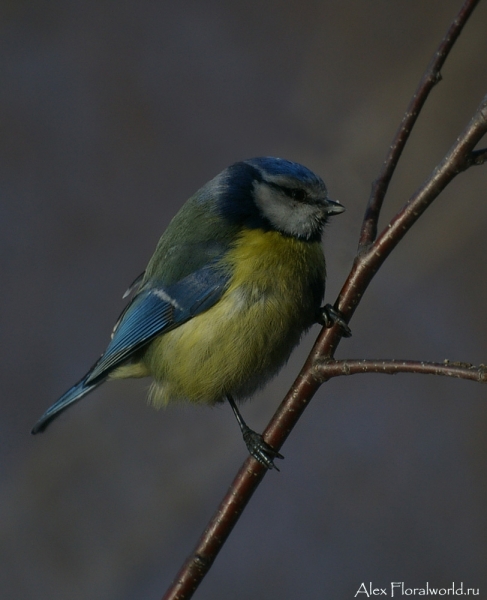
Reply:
x=285, y=214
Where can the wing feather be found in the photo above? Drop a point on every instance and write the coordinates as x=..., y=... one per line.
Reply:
x=156, y=310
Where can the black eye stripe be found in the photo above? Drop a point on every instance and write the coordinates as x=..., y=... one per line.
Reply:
x=297, y=194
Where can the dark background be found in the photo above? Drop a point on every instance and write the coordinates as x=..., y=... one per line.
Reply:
x=111, y=115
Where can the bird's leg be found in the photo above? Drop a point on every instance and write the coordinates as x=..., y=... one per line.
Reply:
x=255, y=443
x=329, y=316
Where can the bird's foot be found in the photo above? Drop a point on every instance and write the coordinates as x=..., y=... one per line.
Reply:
x=330, y=316
x=260, y=449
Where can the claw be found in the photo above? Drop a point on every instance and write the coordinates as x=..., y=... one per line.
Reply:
x=330, y=316
x=260, y=449
x=255, y=443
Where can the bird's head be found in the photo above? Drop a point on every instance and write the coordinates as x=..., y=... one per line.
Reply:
x=275, y=194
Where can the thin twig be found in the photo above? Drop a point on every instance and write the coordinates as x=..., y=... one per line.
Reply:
x=430, y=78
x=460, y=157
x=335, y=368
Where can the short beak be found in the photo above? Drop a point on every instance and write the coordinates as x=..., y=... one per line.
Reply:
x=333, y=207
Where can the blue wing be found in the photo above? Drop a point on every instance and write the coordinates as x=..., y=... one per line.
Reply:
x=154, y=310
x=159, y=309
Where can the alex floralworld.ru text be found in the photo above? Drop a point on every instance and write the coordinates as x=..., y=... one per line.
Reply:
x=398, y=589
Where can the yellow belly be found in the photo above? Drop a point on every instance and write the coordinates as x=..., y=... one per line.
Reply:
x=235, y=346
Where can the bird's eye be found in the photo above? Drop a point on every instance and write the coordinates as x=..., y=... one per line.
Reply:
x=298, y=194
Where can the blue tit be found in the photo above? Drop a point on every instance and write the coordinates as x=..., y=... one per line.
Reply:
x=234, y=282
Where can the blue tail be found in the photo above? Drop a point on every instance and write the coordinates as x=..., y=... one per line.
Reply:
x=72, y=395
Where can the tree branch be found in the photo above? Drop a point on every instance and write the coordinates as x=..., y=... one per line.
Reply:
x=430, y=78
x=335, y=368
x=460, y=157
x=319, y=366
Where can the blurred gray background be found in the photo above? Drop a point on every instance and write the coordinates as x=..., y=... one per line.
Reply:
x=111, y=115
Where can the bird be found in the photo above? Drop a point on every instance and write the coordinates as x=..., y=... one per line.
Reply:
x=235, y=281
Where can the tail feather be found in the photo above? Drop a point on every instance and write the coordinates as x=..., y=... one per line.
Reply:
x=74, y=394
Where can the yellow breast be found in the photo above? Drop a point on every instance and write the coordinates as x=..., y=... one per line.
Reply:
x=236, y=345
